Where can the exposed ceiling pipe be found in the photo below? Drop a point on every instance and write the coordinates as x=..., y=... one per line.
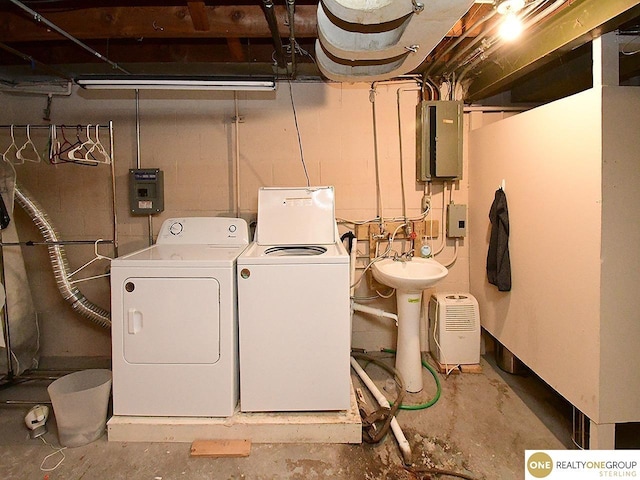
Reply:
x=479, y=44
x=269, y=13
x=291, y=8
x=441, y=58
x=496, y=43
x=33, y=61
x=40, y=19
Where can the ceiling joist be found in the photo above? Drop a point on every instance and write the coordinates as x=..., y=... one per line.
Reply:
x=575, y=25
x=199, y=17
x=194, y=21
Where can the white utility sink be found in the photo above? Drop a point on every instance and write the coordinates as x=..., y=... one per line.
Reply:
x=413, y=275
x=409, y=278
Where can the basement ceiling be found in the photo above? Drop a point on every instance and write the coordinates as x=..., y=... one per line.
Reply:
x=236, y=38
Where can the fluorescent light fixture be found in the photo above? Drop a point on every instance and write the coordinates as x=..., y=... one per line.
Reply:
x=145, y=82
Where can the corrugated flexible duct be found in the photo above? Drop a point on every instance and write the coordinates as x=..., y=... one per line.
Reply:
x=59, y=261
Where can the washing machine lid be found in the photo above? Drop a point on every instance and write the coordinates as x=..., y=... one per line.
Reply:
x=257, y=254
x=296, y=216
x=173, y=255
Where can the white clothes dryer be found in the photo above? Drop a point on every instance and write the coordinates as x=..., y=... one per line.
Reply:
x=174, y=321
x=294, y=307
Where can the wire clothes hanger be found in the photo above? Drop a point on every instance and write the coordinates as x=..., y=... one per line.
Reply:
x=97, y=256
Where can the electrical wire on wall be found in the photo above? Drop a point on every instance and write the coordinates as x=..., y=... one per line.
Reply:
x=295, y=120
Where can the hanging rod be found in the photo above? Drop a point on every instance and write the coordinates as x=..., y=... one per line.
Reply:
x=31, y=243
x=43, y=127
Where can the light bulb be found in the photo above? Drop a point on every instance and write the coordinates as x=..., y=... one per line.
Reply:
x=511, y=27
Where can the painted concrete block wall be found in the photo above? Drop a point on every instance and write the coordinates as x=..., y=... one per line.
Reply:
x=191, y=136
x=551, y=161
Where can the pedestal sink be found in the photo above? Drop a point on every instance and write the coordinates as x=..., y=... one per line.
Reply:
x=409, y=278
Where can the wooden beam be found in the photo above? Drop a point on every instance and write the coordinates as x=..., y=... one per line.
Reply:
x=574, y=26
x=199, y=16
x=236, y=50
x=246, y=21
x=152, y=51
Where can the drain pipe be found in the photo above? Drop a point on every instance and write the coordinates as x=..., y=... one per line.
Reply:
x=405, y=448
x=403, y=443
x=40, y=19
x=356, y=307
x=58, y=258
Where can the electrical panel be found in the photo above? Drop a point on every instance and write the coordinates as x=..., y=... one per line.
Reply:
x=456, y=220
x=439, y=140
x=146, y=191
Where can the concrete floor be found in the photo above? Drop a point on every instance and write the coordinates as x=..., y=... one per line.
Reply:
x=480, y=426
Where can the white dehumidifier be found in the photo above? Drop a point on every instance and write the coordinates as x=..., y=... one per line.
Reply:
x=454, y=328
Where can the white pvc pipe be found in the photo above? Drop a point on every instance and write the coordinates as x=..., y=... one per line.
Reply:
x=374, y=311
x=353, y=259
x=403, y=443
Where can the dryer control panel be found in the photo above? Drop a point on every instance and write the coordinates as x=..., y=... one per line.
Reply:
x=204, y=231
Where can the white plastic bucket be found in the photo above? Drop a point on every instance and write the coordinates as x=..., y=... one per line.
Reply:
x=80, y=401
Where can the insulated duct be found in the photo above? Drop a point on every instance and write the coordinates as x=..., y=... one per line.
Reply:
x=59, y=261
x=370, y=41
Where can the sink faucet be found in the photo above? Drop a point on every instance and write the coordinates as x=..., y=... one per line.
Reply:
x=404, y=257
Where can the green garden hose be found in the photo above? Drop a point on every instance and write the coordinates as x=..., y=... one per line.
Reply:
x=421, y=406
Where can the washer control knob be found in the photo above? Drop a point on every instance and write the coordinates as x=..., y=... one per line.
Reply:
x=176, y=228
x=232, y=228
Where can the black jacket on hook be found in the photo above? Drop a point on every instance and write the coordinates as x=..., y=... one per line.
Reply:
x=498, y=263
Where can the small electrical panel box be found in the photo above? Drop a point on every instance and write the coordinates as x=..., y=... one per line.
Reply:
x=146, y=191
x=439, y=140
x=456, y=220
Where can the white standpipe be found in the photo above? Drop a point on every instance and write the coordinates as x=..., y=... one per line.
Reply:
x=408, y=359
x=403, y=443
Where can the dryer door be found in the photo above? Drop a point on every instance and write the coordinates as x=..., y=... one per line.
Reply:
x=171, y=320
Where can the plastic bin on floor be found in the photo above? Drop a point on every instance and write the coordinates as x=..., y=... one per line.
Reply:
x=80, y=401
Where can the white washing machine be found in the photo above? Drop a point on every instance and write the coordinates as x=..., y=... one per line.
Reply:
x=294, y=307
x=174, y=321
